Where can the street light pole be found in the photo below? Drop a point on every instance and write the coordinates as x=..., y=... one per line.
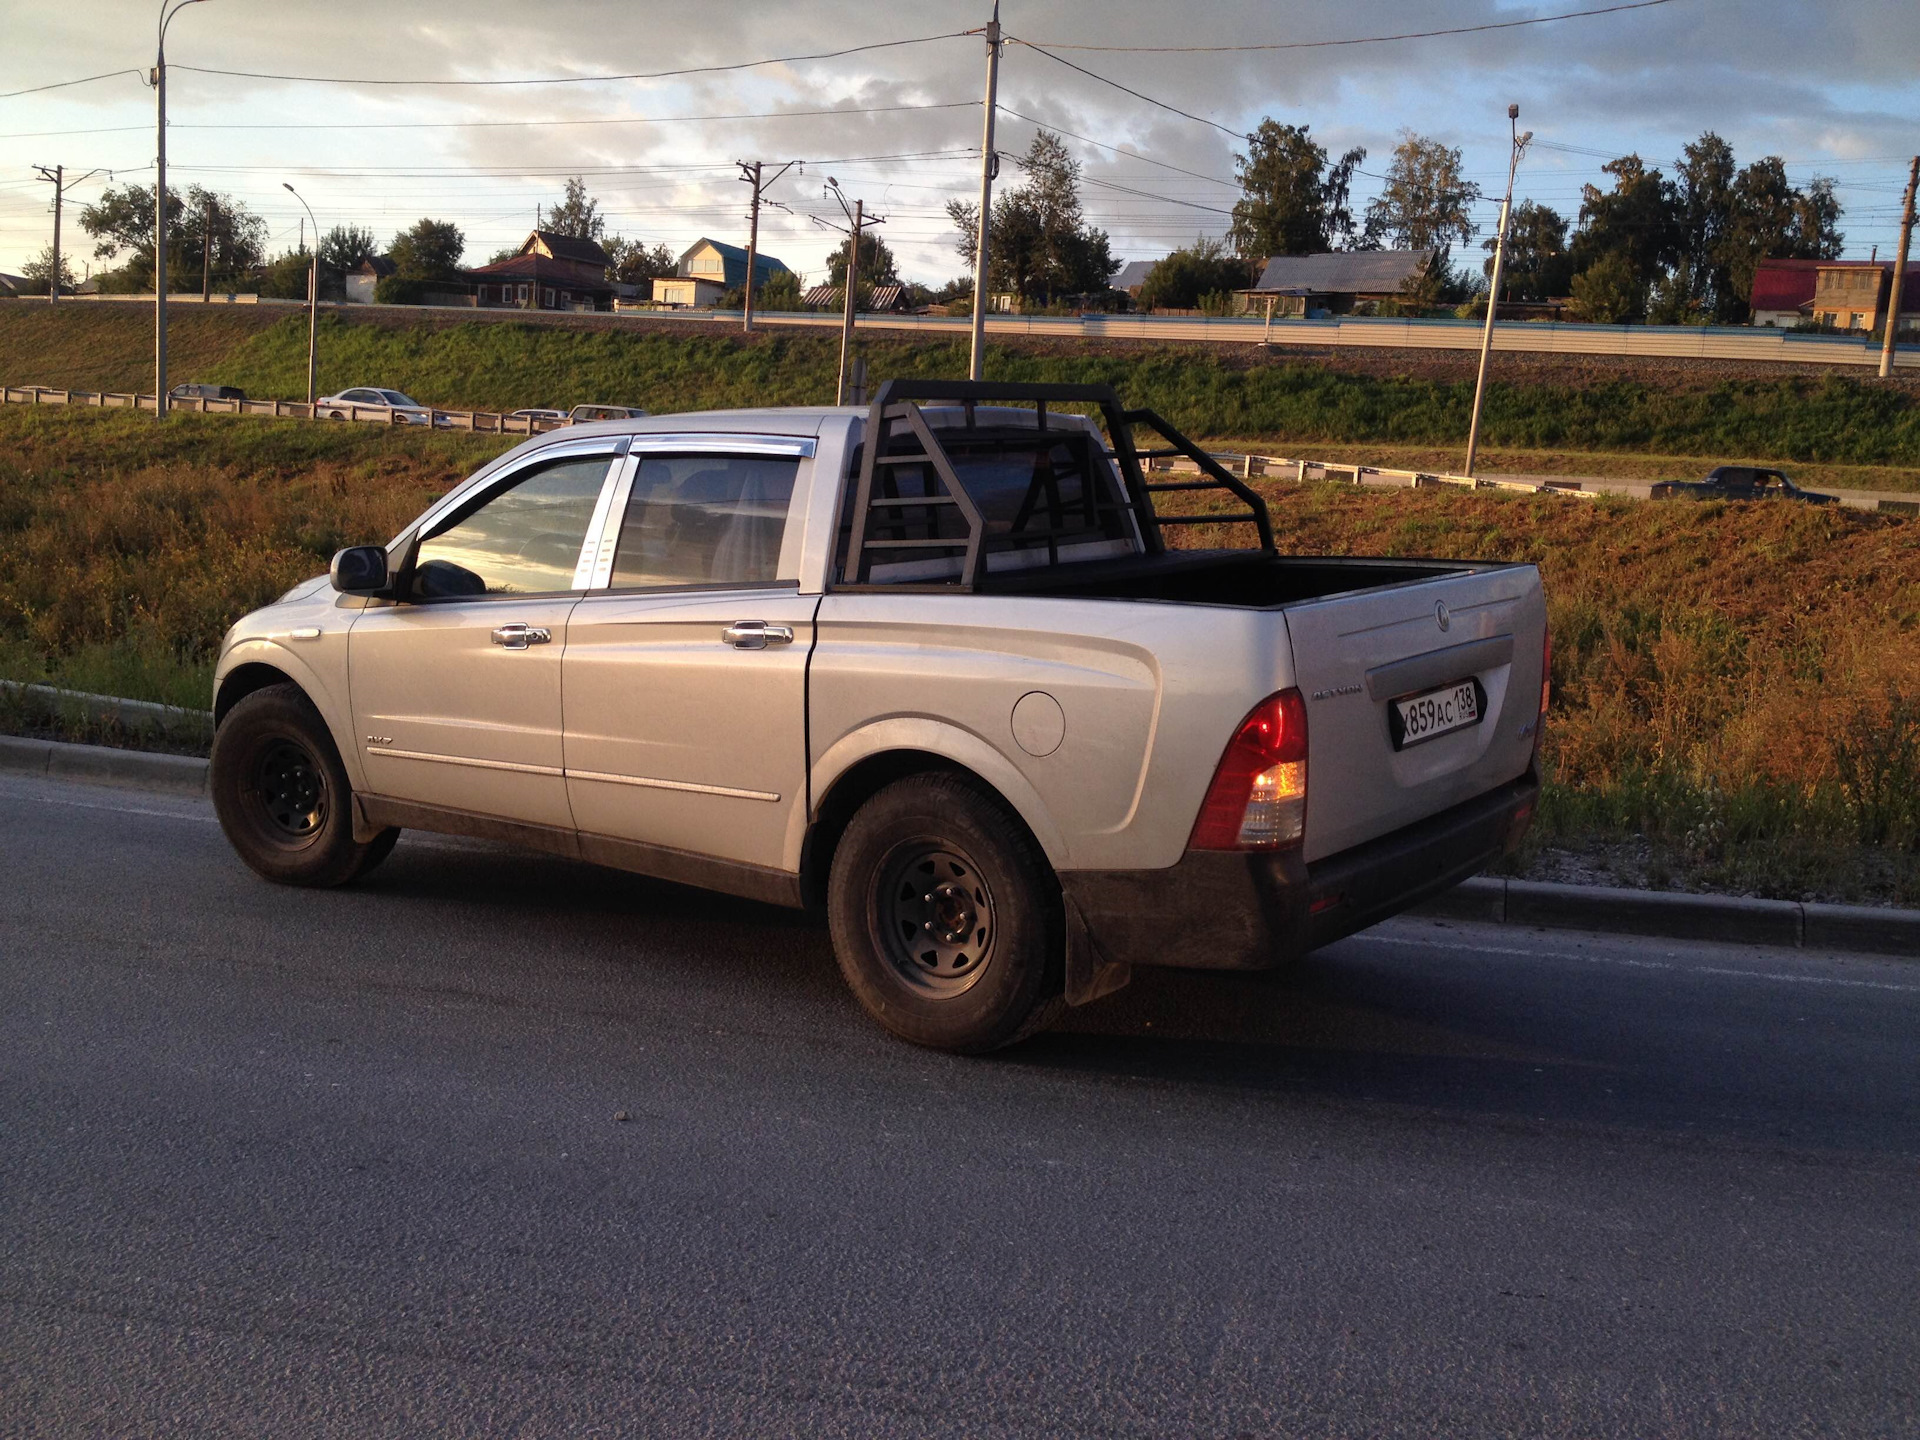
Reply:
x=313, y=298
x=1493, y=289
x=168, y=9
x=989, y=167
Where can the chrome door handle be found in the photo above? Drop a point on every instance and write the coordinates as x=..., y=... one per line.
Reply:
x=519, y=637
x=756, y=635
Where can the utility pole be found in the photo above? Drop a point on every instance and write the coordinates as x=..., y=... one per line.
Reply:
x=989, y=167
x=206, y=255
x=852, y=289
x=751, y=174
x=57, y=177
x=168, y=9
x=1493, y=289
x=859, y=219
x=313, y=295
x=1899, y=272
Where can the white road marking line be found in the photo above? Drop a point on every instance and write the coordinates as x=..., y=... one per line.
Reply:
x=116, y=809
x=1624, y=964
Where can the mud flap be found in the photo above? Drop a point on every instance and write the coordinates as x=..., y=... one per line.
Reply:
x=1090, y=974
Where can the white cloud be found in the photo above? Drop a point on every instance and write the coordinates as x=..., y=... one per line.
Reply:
x=1822, y=83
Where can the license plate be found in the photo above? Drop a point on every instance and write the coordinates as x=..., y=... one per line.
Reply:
x=1439, y=712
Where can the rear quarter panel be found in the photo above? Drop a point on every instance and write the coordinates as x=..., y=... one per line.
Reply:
x=1148, y=694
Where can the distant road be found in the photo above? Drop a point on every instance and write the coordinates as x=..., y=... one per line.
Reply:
x=350, y=1164
x=1694, y=342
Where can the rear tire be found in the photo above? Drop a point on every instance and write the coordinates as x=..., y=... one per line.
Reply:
x=283, y=796
x=946, y=918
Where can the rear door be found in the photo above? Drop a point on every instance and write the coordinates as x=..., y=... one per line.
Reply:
x=685, y=673
x=456, y=690
x=1419, y=696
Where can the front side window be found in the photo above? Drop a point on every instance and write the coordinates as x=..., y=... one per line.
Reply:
x=704, y=520
x=524, y=540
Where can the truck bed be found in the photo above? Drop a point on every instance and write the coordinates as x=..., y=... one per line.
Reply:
x=1249, y=580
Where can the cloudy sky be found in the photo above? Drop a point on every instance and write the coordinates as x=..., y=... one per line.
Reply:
x=1832, y=86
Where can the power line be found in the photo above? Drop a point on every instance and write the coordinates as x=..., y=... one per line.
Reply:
x=584, y=79
x=1130, y=154
x=63, y=84
x=503, y=124
x=1357, y=40
x=1126, y=89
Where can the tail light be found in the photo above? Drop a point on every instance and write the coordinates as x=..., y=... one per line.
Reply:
x=1258, y=799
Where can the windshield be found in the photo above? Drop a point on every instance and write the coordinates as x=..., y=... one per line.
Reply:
x=394, y=397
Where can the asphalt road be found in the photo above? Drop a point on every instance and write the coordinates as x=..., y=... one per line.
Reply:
x=352, y=1163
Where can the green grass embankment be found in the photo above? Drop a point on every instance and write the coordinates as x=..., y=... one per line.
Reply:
x=1688, y=418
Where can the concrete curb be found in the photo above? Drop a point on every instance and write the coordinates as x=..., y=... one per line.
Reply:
x=1487, y=900
x=100, y=765
x=1676, y=916
x=112, y=707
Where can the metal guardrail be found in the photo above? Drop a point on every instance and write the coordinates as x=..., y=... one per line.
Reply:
x=1374, y=476
x=480, y=422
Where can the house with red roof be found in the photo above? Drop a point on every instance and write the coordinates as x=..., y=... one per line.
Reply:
x=1783, y=292
x=551, y=272
x=1842, y=294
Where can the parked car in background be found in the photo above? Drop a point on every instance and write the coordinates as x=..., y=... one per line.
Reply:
x=1739, y=482
x=588, y=414
x=536, y=413
x=367, y=398
x=207, y=392
x=934, y=667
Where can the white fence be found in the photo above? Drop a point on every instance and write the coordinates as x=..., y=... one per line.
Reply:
x=481, y=422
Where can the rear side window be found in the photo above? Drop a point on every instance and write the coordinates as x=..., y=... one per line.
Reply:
x=704, y=520
x=524, y=540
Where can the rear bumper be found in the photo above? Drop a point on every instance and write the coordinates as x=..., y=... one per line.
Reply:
x=1219, y=910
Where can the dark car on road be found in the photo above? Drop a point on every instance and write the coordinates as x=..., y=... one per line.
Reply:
x=1739, y=482
x=207, y=392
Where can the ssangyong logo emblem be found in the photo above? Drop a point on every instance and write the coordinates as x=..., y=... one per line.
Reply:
x=1442, y=616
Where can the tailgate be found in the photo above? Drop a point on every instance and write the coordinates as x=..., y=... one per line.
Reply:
x=1452, y=649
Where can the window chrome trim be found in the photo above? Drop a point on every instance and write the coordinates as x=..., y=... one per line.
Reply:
x=707, y=442
x=599, y=572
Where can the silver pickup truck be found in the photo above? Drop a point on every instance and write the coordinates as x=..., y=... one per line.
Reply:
x=931, y=666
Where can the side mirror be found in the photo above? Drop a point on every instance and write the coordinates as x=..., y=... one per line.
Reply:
x=360, y=570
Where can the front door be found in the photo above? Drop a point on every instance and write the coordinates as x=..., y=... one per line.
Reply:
x=456, y=688
x=685, y=678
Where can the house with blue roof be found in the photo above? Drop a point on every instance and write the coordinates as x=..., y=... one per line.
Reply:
x=709, y=269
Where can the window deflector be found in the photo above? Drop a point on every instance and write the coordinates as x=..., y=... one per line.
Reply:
x=486, y=485
x=456, y=507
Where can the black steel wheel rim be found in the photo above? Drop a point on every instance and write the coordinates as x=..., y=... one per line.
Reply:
x=935, y=914
x=289, y=791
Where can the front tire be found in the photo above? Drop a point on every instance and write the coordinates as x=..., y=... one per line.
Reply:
x=946, y=918
x=283, y=796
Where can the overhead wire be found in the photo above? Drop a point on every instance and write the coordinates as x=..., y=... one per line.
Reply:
x=1354, y=40
x=1127, y=89
x=63, y=84
x=586, y=79
x=507, y=124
